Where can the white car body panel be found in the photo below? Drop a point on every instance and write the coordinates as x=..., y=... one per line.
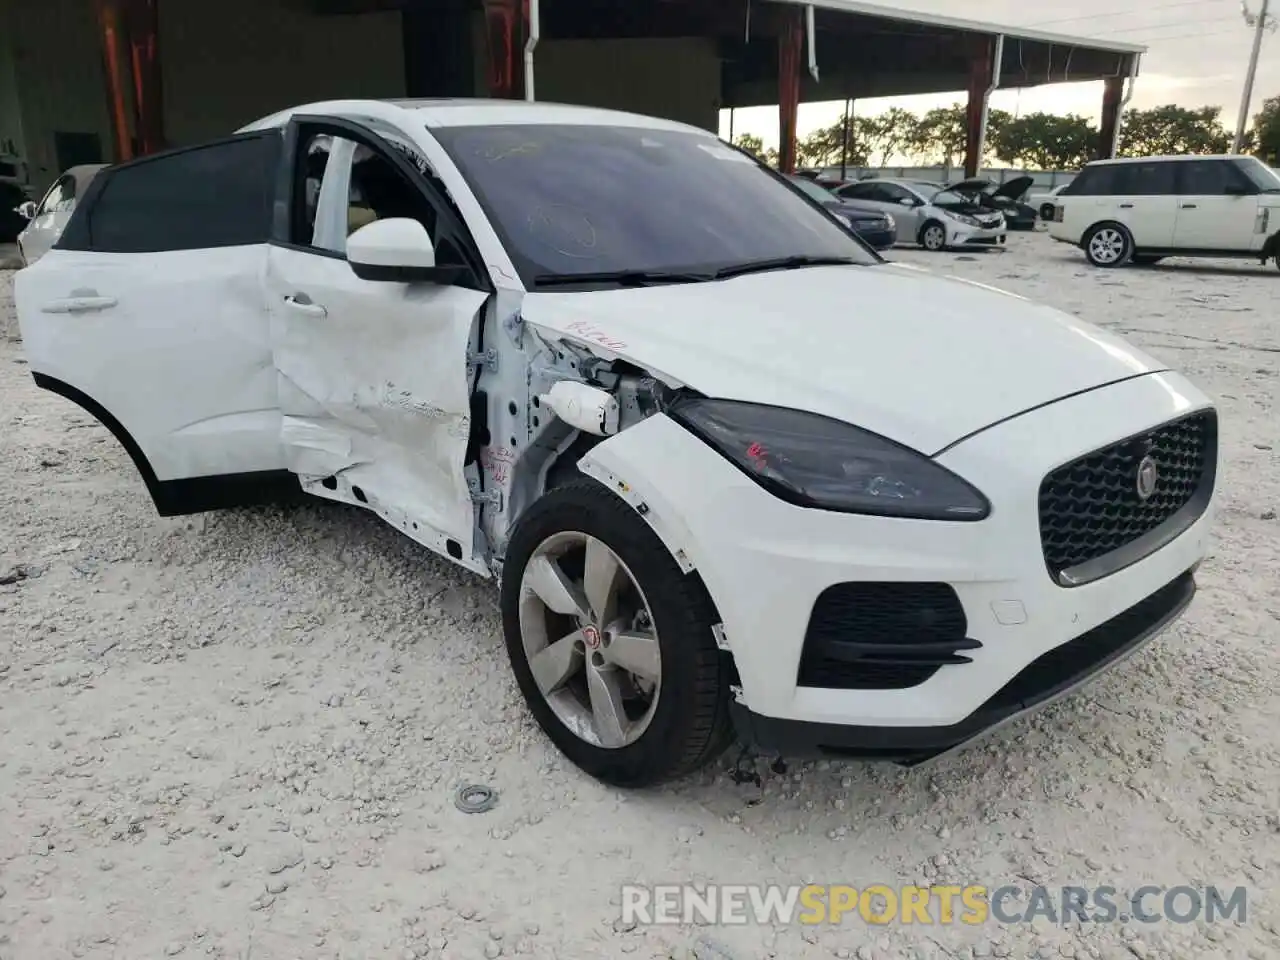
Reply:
x=766, y=337
x=765, y=561
x=375, y=392
x=182, y=358
x=41, y=234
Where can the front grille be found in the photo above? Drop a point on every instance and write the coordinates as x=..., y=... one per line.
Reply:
x=1092, y=507
x=882, y=636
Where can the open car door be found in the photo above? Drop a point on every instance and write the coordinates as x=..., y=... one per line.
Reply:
x=374, y=383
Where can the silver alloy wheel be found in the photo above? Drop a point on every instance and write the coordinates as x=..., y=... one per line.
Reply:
x=935, y=238
x=590, y=640
x=1107, y=245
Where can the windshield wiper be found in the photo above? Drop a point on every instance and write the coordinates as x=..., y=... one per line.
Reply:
x=624, y=278
x=784, y=263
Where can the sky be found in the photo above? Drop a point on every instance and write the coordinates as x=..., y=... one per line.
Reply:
x=1198, y=51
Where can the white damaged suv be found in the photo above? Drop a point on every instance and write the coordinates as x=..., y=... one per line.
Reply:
x=734, y=472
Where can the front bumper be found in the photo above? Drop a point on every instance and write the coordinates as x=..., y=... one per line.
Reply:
x=963, y=235
x=878, y=239
x=766, y=562
x=1049, y=678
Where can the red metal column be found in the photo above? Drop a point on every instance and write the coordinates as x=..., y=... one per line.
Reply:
x=1112, y=96
x=981, y=65
x=505, y=23
x=790, y=49
x=148, y=103
x=109, y=23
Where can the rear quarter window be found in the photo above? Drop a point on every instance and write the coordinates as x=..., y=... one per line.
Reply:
x=214, y=195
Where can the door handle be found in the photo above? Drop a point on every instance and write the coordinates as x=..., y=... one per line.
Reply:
x=1126, y=206
x=80, y=301
x=302, y=303
x=1188, y=206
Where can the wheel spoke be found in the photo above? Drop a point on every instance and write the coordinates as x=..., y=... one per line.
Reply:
x=556, y=663
x=636, y=651
x=605, y=690
x=545, y=578
x=601, y=573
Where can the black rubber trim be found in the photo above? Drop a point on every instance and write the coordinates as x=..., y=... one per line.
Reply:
x=174, y=498
x=911, y=745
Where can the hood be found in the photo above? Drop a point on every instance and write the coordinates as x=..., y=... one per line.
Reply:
x=1015, y=188
x=921, y=359
x=976, y=185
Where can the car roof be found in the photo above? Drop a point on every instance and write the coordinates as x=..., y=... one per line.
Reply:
x=461, y=112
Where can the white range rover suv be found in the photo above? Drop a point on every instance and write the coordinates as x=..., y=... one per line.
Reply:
x=1145, y=209
x=733, y=471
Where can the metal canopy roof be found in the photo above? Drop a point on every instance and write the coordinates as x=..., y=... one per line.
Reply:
x=968, y=26
x=866, y=50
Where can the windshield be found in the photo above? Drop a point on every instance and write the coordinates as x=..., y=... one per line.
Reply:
x=947, y=196
x=1262, y=176
x=573, y=199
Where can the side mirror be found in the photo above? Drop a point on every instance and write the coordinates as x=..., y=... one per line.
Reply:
x=906, y=201
x=396, y=250
x=26, y=210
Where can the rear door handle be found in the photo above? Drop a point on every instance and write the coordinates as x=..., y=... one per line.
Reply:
x=80, y=301
x=1126, y=206
x=1188, y=206
x=303, y=304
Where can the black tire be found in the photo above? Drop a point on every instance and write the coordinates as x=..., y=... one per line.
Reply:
x=690, y=724
x=1108, y=245
x=1146, y=259
x=929, y=233
x=1046, y=212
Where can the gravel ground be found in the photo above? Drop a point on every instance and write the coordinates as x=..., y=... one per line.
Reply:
x=239, y=735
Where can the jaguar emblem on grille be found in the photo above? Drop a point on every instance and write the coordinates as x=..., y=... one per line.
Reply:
x=1147, y=478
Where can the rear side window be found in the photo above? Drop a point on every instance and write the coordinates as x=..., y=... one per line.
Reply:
x=1155, y=179
x=1212, y=178
x=1092, y=182
x=217, y=195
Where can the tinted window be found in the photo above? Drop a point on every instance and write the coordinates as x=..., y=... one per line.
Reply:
x=574, y=199
x=1259, y=174
x=1154, y=179
x=218, y=195
x=1211, y=178
x=1092, y=182
x=858, y=191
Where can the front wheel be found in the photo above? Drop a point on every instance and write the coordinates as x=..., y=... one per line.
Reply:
x=933, y=236
x=1108, y=245
x=611, y=644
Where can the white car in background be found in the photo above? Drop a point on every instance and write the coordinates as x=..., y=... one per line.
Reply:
x=47, y=218
x=1140, y=210
x=734, y=472
x=927, y=214
x=1044, y=201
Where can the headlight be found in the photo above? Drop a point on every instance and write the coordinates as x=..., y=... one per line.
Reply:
x=892, y=223
x=962, y=217
x=814, y=461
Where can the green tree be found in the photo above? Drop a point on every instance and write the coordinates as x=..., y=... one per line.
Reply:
x=940, y=135
x=1173, y=130
x=754, y=145
x=1046, y=141
x=823, y=147
x=890, y=134
x=1266, y=131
